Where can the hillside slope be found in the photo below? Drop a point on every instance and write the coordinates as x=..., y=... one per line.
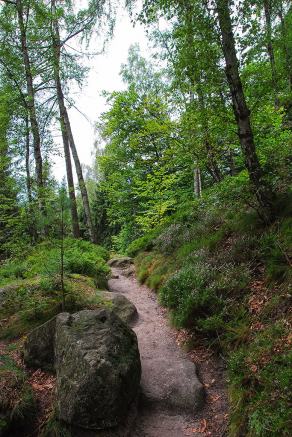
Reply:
x=226, y=277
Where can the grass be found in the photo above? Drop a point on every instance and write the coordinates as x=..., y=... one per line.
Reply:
x=17, y=403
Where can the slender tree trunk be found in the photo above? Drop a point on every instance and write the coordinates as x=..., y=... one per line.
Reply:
x=230, y=158
x=82, y=185
x=27, y=166
x=197, y=182
x=70, y=180
x=62, y=111
x=287, y=50
x=32, y=224
x=62, y=258
x=31, y=107
x=270, y=49
x=241, y=110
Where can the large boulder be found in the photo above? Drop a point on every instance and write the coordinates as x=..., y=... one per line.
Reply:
x=120, y=262
x=98, y=368
x=39, y=346
x=121, y=306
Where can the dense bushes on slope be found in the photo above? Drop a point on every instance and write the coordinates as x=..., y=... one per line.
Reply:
x=224, y=275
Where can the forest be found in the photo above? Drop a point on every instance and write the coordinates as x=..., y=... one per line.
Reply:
x=191, y=179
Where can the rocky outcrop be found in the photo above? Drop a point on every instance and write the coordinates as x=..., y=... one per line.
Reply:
x=121, y=306
x=97, y=363
x=129, y=271
x=120, y=262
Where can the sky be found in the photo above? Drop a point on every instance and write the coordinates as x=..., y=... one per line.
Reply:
x=103, y=75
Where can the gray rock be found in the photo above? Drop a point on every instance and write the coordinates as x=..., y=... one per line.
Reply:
x=39, y=346
x=130, y=271
x=114, y=276
x=176, y=388
x=121, y=306
x=120, y=262
x=98, y=368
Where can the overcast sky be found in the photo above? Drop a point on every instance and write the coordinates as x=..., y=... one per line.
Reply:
x=104, y=75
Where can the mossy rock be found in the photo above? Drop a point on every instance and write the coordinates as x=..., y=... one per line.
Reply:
x=98, y=369
x=120, y=262
x=121, y=306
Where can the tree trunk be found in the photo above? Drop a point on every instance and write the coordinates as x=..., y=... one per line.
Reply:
x=31, y=108
x=67, y=129
x=241, y=111
x=270, y=49
x=82, y=185
x=27, y=167
x=70, y=180
x=62, y=111
x=197, y=182
x=287, y=50
x=32, y=224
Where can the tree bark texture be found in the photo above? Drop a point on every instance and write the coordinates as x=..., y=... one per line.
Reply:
x=241, y=110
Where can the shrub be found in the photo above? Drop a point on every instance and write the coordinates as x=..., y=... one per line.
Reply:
x=188, y=294
x=141, y=244
x=80, y=257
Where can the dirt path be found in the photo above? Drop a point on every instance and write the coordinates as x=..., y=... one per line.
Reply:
x=172, y=395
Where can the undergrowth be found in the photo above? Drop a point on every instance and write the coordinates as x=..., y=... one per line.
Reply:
x=17, y=403
x=227, y=277
x=31, y=288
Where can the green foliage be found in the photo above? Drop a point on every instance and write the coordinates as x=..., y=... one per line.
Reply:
x=29, y=303
x=17, y=403
x=143, y=243
x=188, y=295
x=54, y=428
x=44, y=259
x=33, y=290
x=260, y=374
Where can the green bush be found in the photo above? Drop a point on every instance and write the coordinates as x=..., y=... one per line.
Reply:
x=187, y=293
x=44, y=260
x=11, y=270
x=141, y=244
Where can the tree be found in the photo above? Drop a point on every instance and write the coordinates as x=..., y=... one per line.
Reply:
x=55, y=35
x=31, y=101
x=241, y=110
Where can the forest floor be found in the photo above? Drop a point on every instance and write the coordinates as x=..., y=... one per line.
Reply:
x=166, y=364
